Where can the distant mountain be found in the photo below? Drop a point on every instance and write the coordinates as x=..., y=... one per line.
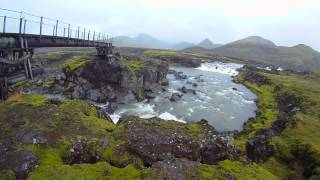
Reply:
x=300, y=57
x=257, y=40
x=206, y=43
x=182, y=45
x=140, y=41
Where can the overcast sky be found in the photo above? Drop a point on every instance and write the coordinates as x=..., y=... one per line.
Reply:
x=286, y=22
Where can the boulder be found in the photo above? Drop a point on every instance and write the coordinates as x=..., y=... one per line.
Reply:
x=186, y=90
x=24, y=162
x=175, y=97
x=27, y=136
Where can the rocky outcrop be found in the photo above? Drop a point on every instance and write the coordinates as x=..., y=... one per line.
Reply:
x=250, y=74
x=101, y=81
x=156, y=140
x=187, y=61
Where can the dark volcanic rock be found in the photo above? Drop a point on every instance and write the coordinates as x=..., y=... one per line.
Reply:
x=186, y=90
x=289, y=103
x=24, y=163
x=5, y=149
x=258, y=148
x=153, y=140
x=101, y=81
x=175, y=97
x=252, y=76
x=80, y=153
x=27, y=136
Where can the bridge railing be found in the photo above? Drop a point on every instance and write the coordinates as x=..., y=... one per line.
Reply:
x=12, y=21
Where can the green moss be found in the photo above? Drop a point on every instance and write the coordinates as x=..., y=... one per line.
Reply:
x=116, y=154
x=22, y=84
x=76, y=62
x=7, y=175
x=28, y=99
x=162, y=54
x=205, y=171
x=101, y=170
x=56, y=55
x=134, y=64
x=47, y=83
x=141, y=94
x=242, y=171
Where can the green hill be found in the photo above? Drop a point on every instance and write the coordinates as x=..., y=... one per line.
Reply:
x=257, y=49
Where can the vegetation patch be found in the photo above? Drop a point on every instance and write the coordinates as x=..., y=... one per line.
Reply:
x=162, y=54
x=134, y=64
x=76, y=62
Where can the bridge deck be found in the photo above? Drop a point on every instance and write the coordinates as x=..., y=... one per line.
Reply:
x=13, y=40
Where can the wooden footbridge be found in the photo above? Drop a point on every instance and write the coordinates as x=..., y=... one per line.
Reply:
x=21, y=32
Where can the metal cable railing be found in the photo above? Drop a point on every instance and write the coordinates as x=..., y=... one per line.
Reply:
x=12, y=21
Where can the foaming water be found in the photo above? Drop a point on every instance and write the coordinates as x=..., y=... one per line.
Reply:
x=224, y=104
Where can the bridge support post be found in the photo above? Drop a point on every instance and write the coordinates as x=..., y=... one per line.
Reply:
x=3, y=88
x=4, y=23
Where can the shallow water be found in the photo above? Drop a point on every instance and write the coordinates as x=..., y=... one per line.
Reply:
x=224, y=104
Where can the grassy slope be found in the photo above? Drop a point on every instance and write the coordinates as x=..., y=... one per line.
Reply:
x=297, y=58
x=75, y=120
x=287, y=160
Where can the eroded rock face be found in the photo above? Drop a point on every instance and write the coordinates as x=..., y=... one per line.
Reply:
x=101, y=81
x=24, y=163
x=153, y=141
x=253, y=77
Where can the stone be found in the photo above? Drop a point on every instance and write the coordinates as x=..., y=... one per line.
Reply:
x=5, y=149
x=26, y=136
x=24, y=162
x=150, y=95
x=186, y=90
x=175, y=97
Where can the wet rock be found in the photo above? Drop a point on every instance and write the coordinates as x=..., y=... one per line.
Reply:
x=126, y=97
x=235, y=89
x=24, y=162
x=186, y=90
x=180, y=76
x=111, y=107
x=175, y=97
x=150, y=95
x=26, y=136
